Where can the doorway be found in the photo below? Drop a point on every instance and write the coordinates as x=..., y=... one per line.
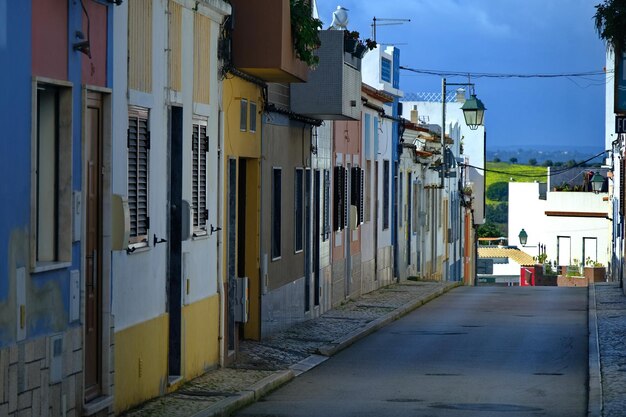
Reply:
x=93, y=246
x=317, y=234
x=174, y=284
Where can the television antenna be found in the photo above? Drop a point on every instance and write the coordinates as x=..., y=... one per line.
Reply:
x=386, y=22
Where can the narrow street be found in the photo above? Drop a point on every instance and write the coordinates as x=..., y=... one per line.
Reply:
x=476, y=351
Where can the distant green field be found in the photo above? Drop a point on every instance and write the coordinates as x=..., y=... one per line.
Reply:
x=519, y=173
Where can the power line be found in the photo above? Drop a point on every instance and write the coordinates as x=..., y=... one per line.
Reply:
x=552, y=173
x=442, y=73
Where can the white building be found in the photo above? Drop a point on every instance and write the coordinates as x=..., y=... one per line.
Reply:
x=573, y=226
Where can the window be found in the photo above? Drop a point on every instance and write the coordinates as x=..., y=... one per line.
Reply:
x=400, y=212
x=243, y=117
x=385, y=69
x=252, y=116
x=326, y=217
x=138, y=174
x=356, y=192
x=340, y=181
x=52, y=179
x=368, y=191
x=385, y=194
x=200, y=146
x=416, y=207
x=367, y=134
x=276, y=212
x=298, y=211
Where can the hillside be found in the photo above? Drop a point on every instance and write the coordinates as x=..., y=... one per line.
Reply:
x=497, y=177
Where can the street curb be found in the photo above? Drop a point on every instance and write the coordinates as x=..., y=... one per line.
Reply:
x=339, y=345
x=594, y=397
x=227, y=406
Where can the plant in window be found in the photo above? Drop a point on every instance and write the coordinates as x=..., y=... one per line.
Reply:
x=304, y=30
x=357, y=46
x=610, y=22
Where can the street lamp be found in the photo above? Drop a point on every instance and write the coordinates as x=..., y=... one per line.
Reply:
x=473, y=111
x=597, y=181
x=523, y=237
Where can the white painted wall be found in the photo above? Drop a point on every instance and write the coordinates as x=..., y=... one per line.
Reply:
x=139, y=279
x=473, y=143
x=511, y=268
x=528, y=212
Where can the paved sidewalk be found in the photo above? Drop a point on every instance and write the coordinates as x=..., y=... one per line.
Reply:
x=264, y=366
x=610, y=309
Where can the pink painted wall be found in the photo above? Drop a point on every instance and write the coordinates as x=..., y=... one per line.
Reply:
x=49, y=31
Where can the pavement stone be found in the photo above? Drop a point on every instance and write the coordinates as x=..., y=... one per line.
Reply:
x=265, y=365
x=611, y=317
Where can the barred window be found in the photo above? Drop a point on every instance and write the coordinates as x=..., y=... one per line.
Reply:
x=138, y=173
x=200, y=145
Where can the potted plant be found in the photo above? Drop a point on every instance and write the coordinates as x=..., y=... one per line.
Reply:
x=356, y=46
x=304, y=31
x=594, y=271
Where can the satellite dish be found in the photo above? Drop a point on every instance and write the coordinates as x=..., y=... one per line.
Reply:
x=340, y=18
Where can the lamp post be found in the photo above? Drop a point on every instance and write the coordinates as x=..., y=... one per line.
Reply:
x=473, y=112
x=596, y=182
x=523, y=237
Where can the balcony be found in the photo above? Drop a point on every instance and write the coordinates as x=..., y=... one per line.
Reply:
x=262, y=45
x=333, y=91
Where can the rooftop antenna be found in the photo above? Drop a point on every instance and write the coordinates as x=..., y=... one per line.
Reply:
x=386, y=22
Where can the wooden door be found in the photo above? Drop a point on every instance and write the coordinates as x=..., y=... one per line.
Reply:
x=93, y=247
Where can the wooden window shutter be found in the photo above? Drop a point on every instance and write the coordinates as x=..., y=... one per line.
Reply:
x=326, y=230
x=622, y=183
x=338, y=199
x=138, y=173
x=361, y=196
x=199, y=175
x=346, y=205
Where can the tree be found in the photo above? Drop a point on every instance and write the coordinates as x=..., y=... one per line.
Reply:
x=489, y=230
x=532, y=161
x=498, y=191
x=610, y=22
x=497, y=213
x=496, y=159
x=513, y=160
x=548, y=163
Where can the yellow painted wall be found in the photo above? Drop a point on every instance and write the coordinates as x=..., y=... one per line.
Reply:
x=245, y=144
x=237, y=143
x=200, y=336
x=140, y=362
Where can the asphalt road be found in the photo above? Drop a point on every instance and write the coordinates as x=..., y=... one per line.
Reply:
x=476, y=351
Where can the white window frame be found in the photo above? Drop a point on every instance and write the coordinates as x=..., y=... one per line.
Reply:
x=58, y=239
x=139, y=240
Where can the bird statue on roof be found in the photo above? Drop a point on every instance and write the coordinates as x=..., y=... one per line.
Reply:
x=340, y=18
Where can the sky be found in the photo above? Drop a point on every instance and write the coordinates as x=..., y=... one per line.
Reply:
x=501, y=36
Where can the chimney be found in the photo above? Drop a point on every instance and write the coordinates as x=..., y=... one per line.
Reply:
x=460, y=95
x=414, y=115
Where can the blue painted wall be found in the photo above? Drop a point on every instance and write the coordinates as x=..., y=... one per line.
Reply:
x=15, y=102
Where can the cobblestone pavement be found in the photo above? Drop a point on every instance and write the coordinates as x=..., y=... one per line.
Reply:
x=258, y=361
x=611, y=314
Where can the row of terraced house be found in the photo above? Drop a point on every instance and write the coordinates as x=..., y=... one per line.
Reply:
x=175, y=180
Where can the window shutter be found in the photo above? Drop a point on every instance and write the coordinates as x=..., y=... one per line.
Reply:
x=138, y=142
x=622, y=183
x=326, y=230
x=346, y=206
x=338, y=199
x=361, y=195
x=199, y=175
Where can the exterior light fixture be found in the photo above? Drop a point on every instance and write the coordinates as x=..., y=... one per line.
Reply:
x=523, y=237
x=474, y=112
x=597, y=181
